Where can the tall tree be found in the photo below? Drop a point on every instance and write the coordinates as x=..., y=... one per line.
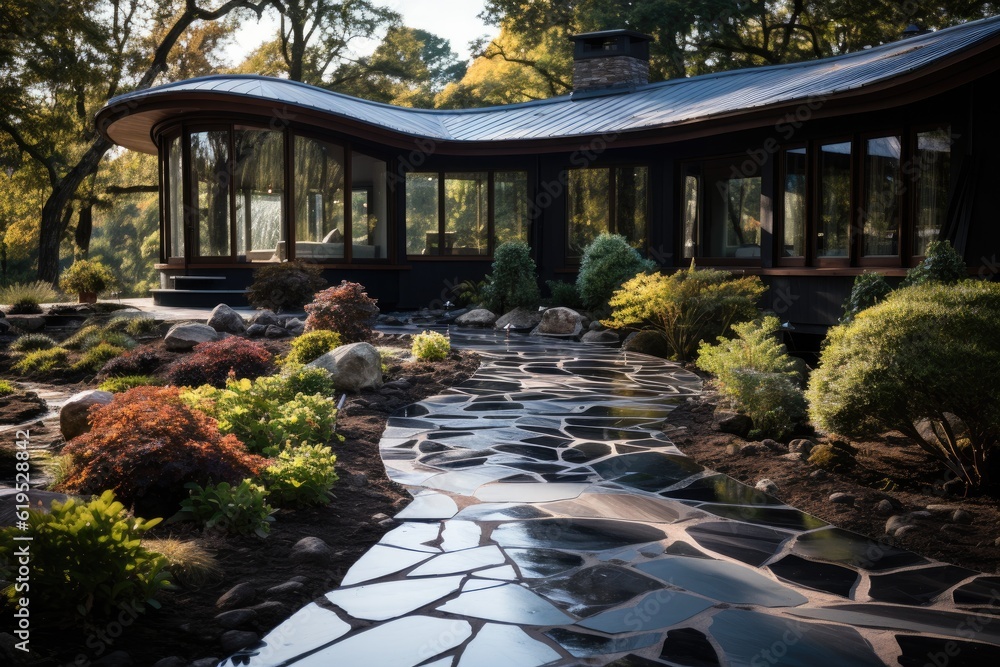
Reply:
x=63, y=59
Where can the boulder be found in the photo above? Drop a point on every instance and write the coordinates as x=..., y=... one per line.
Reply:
x=235, y=640
x=311, y=551
x=605, y=337
x=453, y=315
x=73, y=417
x=353, y=367
x=257, y=330
x=183, y=337
x=274, y=331
x=767, y=486
x=265, y=318
x=480, y=317
x=801, y=446
x=560, y=321
x=648, y=342
x=731, y=422
x=226, y=320
x=29, y=323
x=295, y=326
x=519, y=319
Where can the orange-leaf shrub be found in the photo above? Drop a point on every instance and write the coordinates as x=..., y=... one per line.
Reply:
x=147, y=444
x=346, y=309
x=211, y=363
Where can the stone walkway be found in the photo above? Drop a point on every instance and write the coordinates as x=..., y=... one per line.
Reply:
x=554, y=523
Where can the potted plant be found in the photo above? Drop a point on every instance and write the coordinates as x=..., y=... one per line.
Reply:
x=87, y=278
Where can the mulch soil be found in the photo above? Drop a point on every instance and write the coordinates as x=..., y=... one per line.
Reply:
x=185, y=625
x=888, y=468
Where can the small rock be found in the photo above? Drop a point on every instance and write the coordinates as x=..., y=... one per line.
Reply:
x=226, y=320
x=115, y=659
x=954, y=487
x=386, y=523
x=301, y=578
x=732, y=449
x=961, y=516
x=819, y=474
x=183, y=337
x=753, y=449
x=801, y=445
x=790, y=457
x=295, y=326
x=767, y=486
x=238, y=596
x=74, y=417
x=605, y=337
x=392, y=321
x=270, y=612
x=884, y=507
x=596, y=326
x=265, y=318
x=286, y=588
x=311, y=550
x=895, y=523
x=234, y=640
x=480, y=317
x=256, y=330
x=274, y=331
x=380, y=517
x=397, y=384
x=172, y=661
x=842, y=498
x=996, y=542
x=236, y=618
x=359, y=479
x=205, y=662
x=737, y=424
x=774, y=445
x=903, y=531
x=942, y=509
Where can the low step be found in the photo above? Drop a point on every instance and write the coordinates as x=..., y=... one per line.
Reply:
x=193, y=298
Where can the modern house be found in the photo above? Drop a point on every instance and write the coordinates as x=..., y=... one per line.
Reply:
x=805, y=174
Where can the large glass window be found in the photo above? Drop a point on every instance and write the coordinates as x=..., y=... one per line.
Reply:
x=210, y=178
x=423, y=236
x=834, y=224
x=260, y=184
x=794, y=203
x=606, y=200
x=175, y=198
x=369, y=210
x=510, y=206
x=692, y=206
x=319, y=200
x=881, y=207
x=933, y=162
x=721, y=219
x=466, y=214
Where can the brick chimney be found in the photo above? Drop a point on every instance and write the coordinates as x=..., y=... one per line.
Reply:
x=609, y=61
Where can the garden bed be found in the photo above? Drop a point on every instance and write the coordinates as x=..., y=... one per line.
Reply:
x=185, y=626
x=889, y=468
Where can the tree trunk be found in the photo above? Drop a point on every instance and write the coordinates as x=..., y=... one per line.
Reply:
x=84, y=228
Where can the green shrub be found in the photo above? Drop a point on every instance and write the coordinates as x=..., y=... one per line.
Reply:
x=430, y=346
x=687, y=306
x=27, y=298
x=513, y=282
x=829, y=457
x=755, y=348
x=42, y=361
x=774, y=401
x=564, y=294
x=32, y=342
x=346, y=309
x=133, y=326
x=240, y=509
x=86, y=275
x=470, y=292
x=311, y=346
x=87, y=561
x=941, y=264
x=302, y=475
x=94, y=359
x=105, y=337
x=868, y=289
x=297, y=379
x=607, y=263
x=7, y=388
x=917, y=363
x=285, y=286
x=117, y=385
x=83, y=335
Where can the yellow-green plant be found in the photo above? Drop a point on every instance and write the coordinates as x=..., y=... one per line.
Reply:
x=311, y=346
x=87, y=561
x=87, y=275
x=94, y=358
x=42, y=361
x=32, y=342
x=302, y=475
x=116, y=385
x=430, y=346
x=26, y=298
x=7, y=388
x=240, y=509
x=686, y=307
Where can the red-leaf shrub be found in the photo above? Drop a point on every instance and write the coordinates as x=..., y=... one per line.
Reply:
x=142, y=361
x=346, y=309
x=211, y=363
x=147, y=444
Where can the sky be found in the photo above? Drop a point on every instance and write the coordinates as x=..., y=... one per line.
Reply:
x=455, y=20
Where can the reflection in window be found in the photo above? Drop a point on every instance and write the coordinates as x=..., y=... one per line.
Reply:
x=260, y=178
x=210, y=191
x=422, y=233
x=881, y=209
x=794, y=229
x=732, y=212
x=692, y=188
x=369, y=202
x=833, y=229
x=510, y=206
x=933, y=162
x=319, y=200
x=175, y=198
x=466, y=221
x=631, y=204
x=588, y=198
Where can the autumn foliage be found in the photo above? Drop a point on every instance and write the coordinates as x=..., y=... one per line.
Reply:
x=346, y=309
x=147, y=444
x=213, y=363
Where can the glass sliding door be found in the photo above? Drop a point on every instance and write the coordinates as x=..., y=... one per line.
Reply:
x=210, y=177
x=319, y=200
x=175, y=199
x=260, y=193
x=933, y=162
x=834, y=221
x=880, y=214
x=369, y=208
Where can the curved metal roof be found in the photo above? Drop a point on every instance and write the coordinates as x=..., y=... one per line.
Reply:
x=126, y=119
